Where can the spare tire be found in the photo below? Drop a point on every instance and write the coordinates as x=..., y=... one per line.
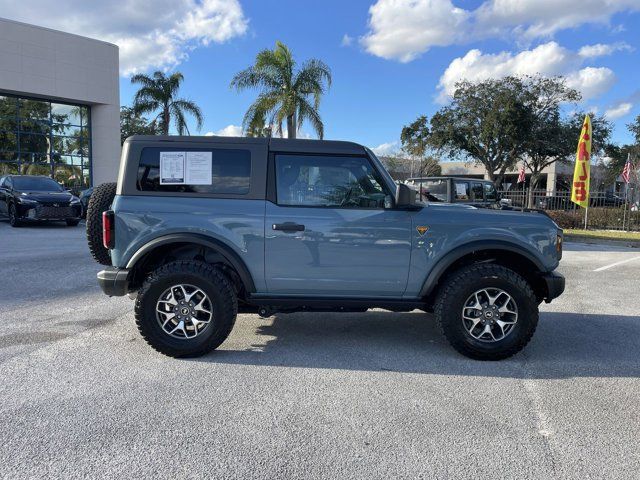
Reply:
x=100, y=201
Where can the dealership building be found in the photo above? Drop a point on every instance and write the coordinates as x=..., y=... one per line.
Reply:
x=59, y=105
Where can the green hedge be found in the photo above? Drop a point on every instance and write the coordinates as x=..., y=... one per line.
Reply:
x=599, y=218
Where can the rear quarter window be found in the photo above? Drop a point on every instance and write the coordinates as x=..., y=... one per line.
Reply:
x=230, y=172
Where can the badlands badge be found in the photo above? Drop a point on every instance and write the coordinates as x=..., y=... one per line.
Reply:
x=422, y=230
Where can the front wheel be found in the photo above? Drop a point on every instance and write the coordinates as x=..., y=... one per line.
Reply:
x=186, y=309
x=13, y=216
x=486, y=311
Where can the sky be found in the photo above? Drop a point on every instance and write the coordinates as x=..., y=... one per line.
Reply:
x=391, y=60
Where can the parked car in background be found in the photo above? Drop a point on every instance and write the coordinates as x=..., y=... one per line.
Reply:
x=470, y=191
x=30, y=198
x=85, y=196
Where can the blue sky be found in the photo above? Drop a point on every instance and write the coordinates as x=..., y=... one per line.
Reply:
x=392, y=60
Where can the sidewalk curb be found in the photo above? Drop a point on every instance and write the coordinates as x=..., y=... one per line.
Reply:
x=601, y=241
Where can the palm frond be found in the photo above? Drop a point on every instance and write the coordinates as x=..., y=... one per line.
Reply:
x=191, y=108
x=306, y=111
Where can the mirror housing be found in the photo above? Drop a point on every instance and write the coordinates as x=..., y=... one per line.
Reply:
x=405, y=196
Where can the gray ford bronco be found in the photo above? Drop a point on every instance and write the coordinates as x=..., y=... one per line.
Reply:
x=198, y=229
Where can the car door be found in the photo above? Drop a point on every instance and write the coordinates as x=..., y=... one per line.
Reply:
x=4, y=195
x=328, y=233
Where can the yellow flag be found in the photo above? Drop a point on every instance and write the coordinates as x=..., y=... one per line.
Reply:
x=582, y=172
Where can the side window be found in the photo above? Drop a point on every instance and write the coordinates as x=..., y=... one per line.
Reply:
x=476, y=191
x=460, y=191
x=230, y=171
x=490, y=194
x=327, y=181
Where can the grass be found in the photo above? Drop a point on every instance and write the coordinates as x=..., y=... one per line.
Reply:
x=604, y=234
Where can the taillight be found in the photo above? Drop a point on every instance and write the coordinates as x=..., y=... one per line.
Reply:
x=559, y=245
x=108, y=224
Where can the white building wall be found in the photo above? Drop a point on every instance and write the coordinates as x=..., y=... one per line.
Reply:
x=40, y=62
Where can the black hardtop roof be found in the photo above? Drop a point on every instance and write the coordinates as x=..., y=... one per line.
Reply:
x=274, y=144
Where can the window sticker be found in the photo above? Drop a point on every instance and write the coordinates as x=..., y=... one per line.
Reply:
x=198, y=171
x=172, y=168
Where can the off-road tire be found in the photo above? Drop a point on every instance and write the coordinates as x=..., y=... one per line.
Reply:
x=100, y=201
x=13, y=217
x=202, y=275
x=455, y=291
x=72, y=223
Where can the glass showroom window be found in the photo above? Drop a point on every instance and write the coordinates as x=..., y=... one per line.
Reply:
x=39, y=137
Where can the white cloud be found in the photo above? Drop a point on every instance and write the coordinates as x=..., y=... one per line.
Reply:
x=548, y=59
x=603, y=49
x=150, y=33
x=618, y=111
x=404, y=29
x=385, y=149
x=591, y=81
x=347, y=40
x=228, y=131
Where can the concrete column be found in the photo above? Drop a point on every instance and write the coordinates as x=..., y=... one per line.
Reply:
x=551, y=183
x=105, y=143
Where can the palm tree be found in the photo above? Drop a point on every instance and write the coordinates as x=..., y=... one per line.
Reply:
x=286, y=94
x=160, y=92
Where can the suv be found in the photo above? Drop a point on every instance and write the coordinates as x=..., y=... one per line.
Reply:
x=471, y=191
x=201, y=228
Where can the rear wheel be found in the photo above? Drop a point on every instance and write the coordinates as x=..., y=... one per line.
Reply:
x=100, y=201
x=186, y=309
x=487, y=312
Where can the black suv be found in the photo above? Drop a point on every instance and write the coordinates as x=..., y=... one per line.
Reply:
x=32, y=198
x=471, y=191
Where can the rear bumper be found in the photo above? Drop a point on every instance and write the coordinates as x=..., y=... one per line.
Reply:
x=555, y=285
x=114, y=281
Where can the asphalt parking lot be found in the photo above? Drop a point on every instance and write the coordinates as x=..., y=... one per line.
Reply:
x=375, y=395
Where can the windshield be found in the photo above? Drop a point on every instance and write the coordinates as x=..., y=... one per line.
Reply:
x=36, y=184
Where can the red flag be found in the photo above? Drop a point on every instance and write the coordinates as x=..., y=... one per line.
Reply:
x=626, y=172
x=521, y=177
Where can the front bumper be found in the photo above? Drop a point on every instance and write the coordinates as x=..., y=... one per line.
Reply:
x=46, y=212
x=555, y=285
x=114, y=281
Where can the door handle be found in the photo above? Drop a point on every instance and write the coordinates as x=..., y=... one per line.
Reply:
x=288, y=227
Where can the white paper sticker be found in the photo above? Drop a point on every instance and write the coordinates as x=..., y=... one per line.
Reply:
x=198, y=168
x=461, y=190
x=171, y=168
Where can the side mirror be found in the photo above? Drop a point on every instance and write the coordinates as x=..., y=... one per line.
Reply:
x=405, y=196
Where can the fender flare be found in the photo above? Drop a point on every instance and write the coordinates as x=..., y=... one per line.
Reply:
x=457, y=253
x=224, y=250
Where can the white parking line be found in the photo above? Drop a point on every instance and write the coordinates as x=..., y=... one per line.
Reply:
x=607, y=267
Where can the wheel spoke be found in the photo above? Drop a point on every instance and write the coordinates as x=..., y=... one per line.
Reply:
x=199, y=307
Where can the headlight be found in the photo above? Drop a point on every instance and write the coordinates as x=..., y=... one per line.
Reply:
x=26, y=201
x=74, y=200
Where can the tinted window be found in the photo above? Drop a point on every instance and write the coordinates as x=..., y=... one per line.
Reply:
x=460, y=190
x=490, y=192
x=476, y=191
x=230, y=172
x=36, y=184
x=432, y=190
x=327, y=181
